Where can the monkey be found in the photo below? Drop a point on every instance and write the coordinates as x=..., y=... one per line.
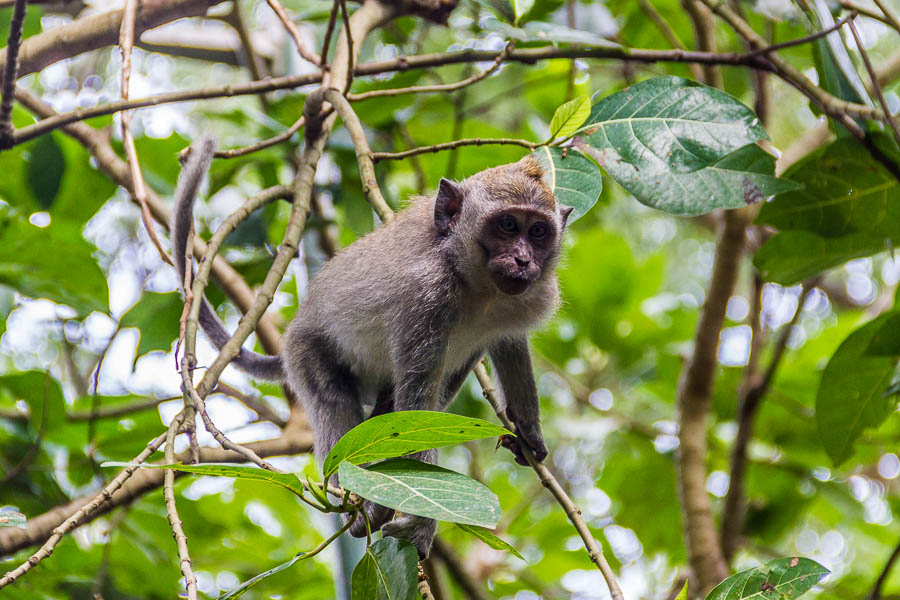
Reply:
x=398, y=319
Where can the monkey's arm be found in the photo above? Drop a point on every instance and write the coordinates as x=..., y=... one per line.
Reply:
x=513, y=366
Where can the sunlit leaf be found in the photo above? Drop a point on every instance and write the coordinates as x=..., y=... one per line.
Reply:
x=683, y=594
x=791, y=256
x=422, y=489
x=405, y=432
x=780, y=578
x=569, y=117
x=387, y=571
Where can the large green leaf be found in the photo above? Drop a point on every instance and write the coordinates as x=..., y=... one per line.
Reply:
x=156, y=317
x=503, y=8
x=791, y=256
x=405, y=432
x=45, y=170
x=387, y=571
x=422, y=489
x=53, y=262
x=671, y=122
x=681, y=147
x=780, y=578
x=845, y=192
x=886, y=340
x=574, y=178
x=852, y=394
x=745, y=176
x=288, y=481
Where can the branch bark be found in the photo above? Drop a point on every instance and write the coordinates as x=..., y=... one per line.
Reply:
x=694, y=393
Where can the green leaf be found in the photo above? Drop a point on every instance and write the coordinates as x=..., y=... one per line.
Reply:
x=672, y=122
x=886, y=340
x=42, y=393
x=28, y=264
x=574, y=178
x=45, y=170
x=156, y=317
x=387, y=571
x=845, y=191
x=288, y=481
x=683, y=594
x=780, y=578
x=502, y=8
x=681, y=147
x=569, y=117
x=851, y=394
x=791, y=256
x=405, y=432
x=419, y=488
x=745, y=176
x=11, y=518
x=486, y=536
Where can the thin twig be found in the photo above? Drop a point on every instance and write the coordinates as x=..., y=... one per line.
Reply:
x=550, y=482
x=447, y=87
x=863, y=11
x=305, y=52
x=889, y=16
x=126, y=42
x=875, y=593
x=85, y=511
x=874, y=77
x=329, y=30
x=424, y=588
x=184, y=556
x=363, y=153
x=254, y=62
x=9, y=74
x=803, y=40
x=348, y=34
x=378, y=156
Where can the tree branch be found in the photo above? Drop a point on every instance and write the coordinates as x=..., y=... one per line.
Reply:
x=9, y=74
x=694, y=393
x=875, y=593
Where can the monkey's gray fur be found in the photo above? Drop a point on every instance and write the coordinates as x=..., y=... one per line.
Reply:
x=398, y=319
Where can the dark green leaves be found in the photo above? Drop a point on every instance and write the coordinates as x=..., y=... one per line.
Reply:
x=780, y=578
x=418, y=488
x=573, y=177
x=387, y=571
x=853, y=393
x=156, y=317
x=52, y=262
x=45, y=170
x=681, y=147
x=849, y=207
x=406, y=432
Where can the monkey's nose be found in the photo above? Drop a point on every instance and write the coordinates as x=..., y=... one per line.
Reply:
x=522, y=262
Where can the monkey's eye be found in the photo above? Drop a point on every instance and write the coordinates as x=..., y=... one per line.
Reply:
x=507, y=224
x=538, y=230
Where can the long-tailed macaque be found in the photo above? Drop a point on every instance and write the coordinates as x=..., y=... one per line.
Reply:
x=398, y=319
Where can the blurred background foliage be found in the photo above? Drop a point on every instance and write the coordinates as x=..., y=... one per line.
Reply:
x=83, y=287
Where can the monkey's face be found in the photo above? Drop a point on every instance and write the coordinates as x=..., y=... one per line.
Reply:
x=518, y=243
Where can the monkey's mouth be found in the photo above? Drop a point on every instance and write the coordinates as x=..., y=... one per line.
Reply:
x=511, y=285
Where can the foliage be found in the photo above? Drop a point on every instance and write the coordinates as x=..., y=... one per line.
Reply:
x=646, y=156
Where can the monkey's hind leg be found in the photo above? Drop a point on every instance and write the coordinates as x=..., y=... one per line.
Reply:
x=330, y=395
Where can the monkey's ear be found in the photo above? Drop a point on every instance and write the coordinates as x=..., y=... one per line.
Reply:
x=564, y=212
x=447, y=205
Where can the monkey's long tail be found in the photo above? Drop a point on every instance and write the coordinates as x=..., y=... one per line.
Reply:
x=257, y=365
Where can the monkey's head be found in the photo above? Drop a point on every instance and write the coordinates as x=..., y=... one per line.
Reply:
x=505, y=222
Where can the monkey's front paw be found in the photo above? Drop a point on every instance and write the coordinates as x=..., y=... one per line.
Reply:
x=535, y=443
x=419, y=531
x=378, y=516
